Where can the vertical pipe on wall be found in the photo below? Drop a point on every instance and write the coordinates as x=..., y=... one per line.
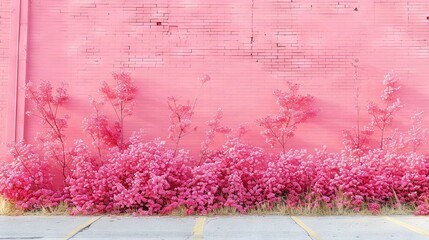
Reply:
x=15, y=15
x=15, y=114
x=22, y=61
x=17, y=73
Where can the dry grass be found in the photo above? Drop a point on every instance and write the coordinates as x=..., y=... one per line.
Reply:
x=8, y=209
x=282, y=209
x=59, y=210
x=225, y=211
x=178, y=212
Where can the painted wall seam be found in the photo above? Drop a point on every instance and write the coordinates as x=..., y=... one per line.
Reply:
x=22, y=68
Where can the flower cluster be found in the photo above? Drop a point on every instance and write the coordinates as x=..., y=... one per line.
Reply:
x=382, y=116
x=103, y=133
x=215, y=126
x=181, y=121
x=28, y=180
x=294, y=109
x=121, y=97
x=46, y=106
x=144, y=178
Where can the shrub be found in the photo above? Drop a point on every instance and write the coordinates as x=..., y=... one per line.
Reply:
x=144, y=178
x=228, y=177
x=27, y=181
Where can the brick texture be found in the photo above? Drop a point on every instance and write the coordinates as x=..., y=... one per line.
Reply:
x=5, y=27
x=337, y=50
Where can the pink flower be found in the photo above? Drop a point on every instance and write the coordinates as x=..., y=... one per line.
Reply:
x=294, y=109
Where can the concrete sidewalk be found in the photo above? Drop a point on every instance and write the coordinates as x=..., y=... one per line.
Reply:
x=234, y=227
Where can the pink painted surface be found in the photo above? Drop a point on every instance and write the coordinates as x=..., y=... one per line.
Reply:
x=248, y=48
x=8, y=53
x=5, y=31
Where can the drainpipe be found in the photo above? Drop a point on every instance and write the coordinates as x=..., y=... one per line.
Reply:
x=18, y=65
x=15, y=114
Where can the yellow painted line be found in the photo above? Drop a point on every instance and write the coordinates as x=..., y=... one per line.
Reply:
x=79, y=228
x=199, y=228
x=408, y=226
x=304, y=226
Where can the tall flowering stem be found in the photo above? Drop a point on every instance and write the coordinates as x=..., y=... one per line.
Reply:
x=46, y=105
x=417, y=134
x=382, y=116
x=294, y=109
x=121, y=97
x=98, y=127
x=356, y=141
x=181, y=121
x=215, y=126
x=181, y=116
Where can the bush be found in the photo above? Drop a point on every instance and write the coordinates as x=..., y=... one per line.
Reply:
x=28, y=180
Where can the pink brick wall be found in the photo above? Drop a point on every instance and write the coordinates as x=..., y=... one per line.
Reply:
x=248, y=47
x=5, y=31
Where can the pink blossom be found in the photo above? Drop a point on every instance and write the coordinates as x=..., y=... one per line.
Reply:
x=382, y=116
x=180, y=120
x=417, y=135
x=28, y=179
x=46, y=106
x=294, y=109
x=215, y=127
x=121, y=98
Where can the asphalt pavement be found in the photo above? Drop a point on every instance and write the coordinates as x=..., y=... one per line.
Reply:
x=222, y=227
